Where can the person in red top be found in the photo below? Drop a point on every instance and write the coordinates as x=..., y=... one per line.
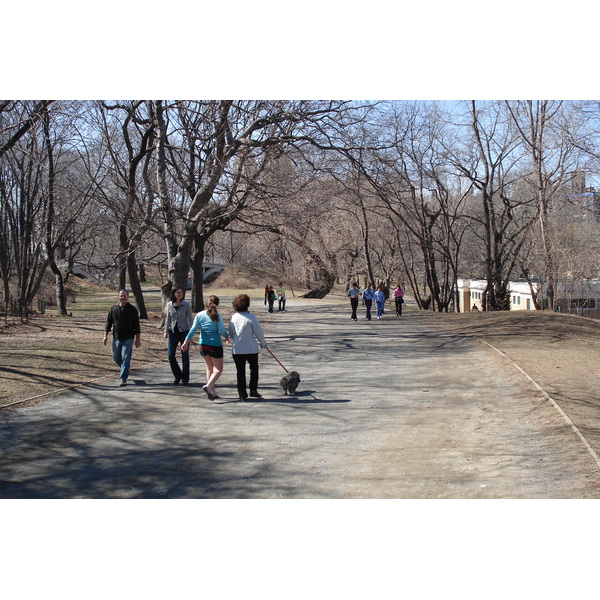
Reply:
x=399, y=298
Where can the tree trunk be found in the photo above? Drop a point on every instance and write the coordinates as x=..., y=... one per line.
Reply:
x=179, y=266
x=197, y=264
x=122, y=273
x=60, y=287
x=177, y=270
x=366, y=243
x=136, y=287
x=327, y=276
x=61, y=301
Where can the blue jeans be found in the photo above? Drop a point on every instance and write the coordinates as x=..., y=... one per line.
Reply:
x=379, y=309
x=368, y=304
x=174, y=340
x=121, y=353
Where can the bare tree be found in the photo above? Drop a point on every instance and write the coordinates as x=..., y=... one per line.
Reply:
x=408, y=172
x=491, y=160
x=217, y=152
x=22, y=182
x=13, y=130
x=128, y=134
x=310, y=219
x=540, y=124
x=72, y=182
x=38, y=211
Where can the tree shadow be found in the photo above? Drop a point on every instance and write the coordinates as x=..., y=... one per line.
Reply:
x=304, y=397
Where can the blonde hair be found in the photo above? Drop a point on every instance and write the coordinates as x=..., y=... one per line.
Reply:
x=211, y=307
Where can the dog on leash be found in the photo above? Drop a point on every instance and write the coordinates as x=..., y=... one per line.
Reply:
x=289, y=383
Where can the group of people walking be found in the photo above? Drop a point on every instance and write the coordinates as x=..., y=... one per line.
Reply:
x=243, y=332
x=369, y=295
x=272, y=295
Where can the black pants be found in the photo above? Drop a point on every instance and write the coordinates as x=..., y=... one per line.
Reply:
x=399, y=303
x=354, y=305
x=175, y=339
x=240, y=361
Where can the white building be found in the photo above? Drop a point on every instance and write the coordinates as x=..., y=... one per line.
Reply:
x=470, y=293
x=580, y=297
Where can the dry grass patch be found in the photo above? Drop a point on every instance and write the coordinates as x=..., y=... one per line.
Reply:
x=51, y=353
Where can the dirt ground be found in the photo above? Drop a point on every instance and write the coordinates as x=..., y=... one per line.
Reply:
x=559, y=352
x=52, y=353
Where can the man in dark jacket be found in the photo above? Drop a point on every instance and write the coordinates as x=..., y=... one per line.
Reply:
x=123, y=318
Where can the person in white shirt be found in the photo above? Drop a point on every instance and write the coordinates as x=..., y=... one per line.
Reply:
x=353, y=294
x=245, y=331
x=280, y=291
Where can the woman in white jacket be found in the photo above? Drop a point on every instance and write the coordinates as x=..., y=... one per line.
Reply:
x=245, y=330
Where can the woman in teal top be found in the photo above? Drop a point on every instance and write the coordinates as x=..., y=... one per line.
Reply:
x=212, y=329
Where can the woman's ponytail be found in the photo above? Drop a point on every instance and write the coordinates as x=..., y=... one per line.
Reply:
x=211, y=308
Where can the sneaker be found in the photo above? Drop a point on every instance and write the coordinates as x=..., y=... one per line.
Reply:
x=123, y=383
x=210, y=395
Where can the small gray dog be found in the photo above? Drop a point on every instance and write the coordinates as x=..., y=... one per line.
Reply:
x=290, y=382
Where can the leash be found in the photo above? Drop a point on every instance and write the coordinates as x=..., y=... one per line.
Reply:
x=269, y=351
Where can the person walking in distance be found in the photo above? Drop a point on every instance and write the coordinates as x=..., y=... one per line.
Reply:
x=280, y=291
x=271, y=297
x=368, y=296
x=353, y=294
x=212, y=329
x=380, y=301
x=179, y=319
x=124, y=321
x=245, y=331
x=399, y=299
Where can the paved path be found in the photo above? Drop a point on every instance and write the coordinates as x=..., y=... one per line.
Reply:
x=386, y=409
